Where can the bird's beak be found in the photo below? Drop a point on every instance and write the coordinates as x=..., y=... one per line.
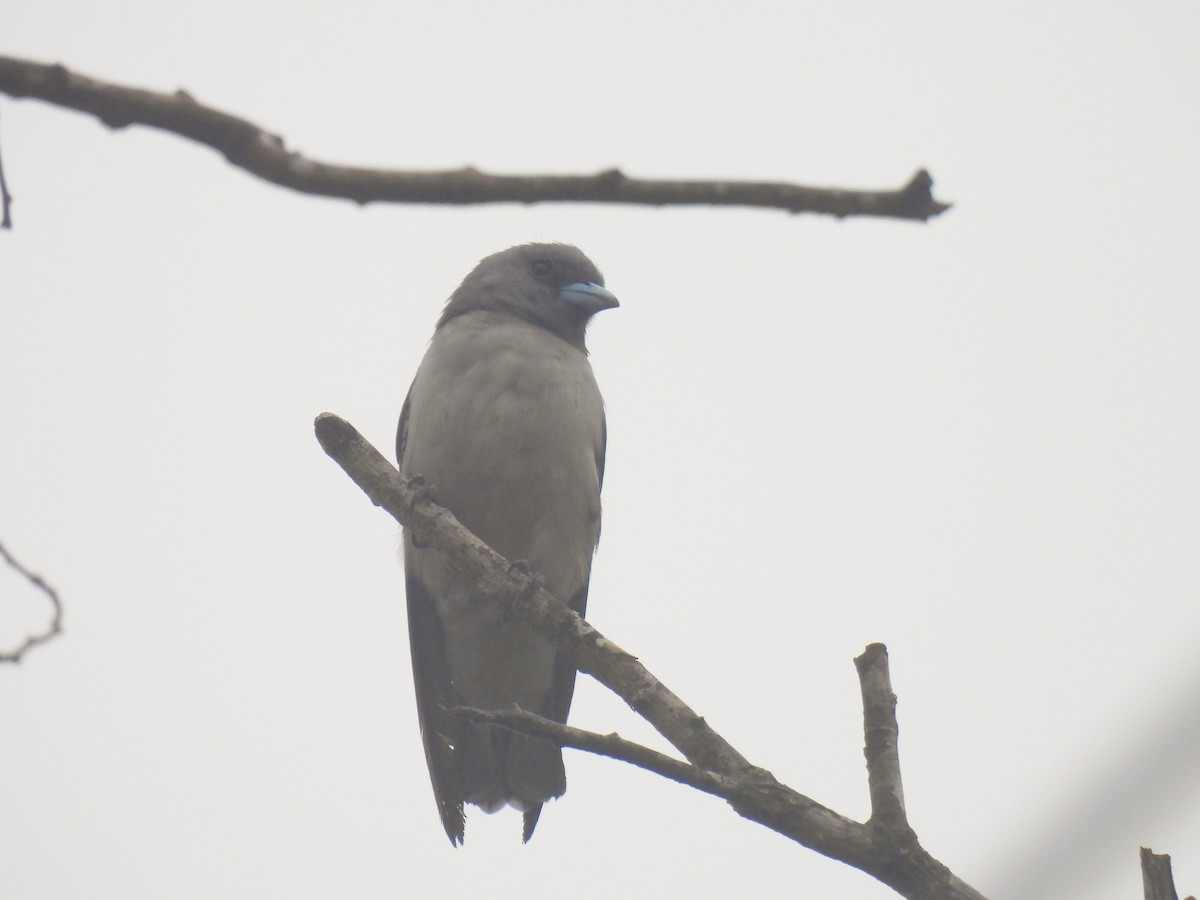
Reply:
x=588, y=296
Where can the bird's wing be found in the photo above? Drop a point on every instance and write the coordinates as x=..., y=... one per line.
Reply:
x=440, y=732
x=562, y=688
x=402, y=429
x=558, y=704
x=601, y=450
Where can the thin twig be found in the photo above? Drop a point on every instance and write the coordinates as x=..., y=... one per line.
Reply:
x=55, y=626
x=611, y=745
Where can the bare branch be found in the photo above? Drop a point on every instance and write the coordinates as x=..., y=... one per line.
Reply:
x=882, y=735
x=55, y=626
x=261, y=153
x=1157, y=881
x=611, y=745
x=499, y=582
x=892, y=855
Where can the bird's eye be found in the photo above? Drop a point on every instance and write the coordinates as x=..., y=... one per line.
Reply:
x=542, y=267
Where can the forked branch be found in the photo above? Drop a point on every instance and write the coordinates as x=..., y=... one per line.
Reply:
x=884, y=846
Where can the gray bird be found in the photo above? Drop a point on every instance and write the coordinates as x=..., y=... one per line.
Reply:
x=505, y=422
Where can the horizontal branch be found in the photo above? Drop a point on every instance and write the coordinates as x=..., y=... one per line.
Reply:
x=264, y=154
x=891, y=854
x=611, y=745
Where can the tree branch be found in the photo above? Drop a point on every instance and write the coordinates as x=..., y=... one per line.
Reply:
x=261, y=153
x=891, y=854
x=611, y=745
x=55, y=626
x=882, y=736
x=499, y=582
x=1157, y=881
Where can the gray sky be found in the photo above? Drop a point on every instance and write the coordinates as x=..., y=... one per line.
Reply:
x=974, y=440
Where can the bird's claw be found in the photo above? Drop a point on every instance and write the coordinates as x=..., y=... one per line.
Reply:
x=533, y=583
x=423, y=491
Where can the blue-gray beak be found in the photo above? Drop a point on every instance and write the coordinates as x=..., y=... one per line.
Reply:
x=588, y=296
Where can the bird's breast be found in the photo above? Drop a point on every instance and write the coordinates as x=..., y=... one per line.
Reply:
x=506, y=422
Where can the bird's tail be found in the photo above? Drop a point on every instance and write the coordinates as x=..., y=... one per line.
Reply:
x=498, y=768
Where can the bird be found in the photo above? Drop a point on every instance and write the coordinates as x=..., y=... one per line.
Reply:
x=505, y=425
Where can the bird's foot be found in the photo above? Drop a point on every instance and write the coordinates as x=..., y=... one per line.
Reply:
x=426, y=493
x=533, y=583
x=423, y=491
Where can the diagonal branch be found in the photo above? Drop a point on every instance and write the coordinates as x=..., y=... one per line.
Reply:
x=499, y=582
x=261, y=153
x=889, y=851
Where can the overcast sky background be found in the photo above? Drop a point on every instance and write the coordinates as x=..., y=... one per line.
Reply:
x=974, y=440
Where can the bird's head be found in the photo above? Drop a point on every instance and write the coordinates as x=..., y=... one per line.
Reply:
x=551, y=285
